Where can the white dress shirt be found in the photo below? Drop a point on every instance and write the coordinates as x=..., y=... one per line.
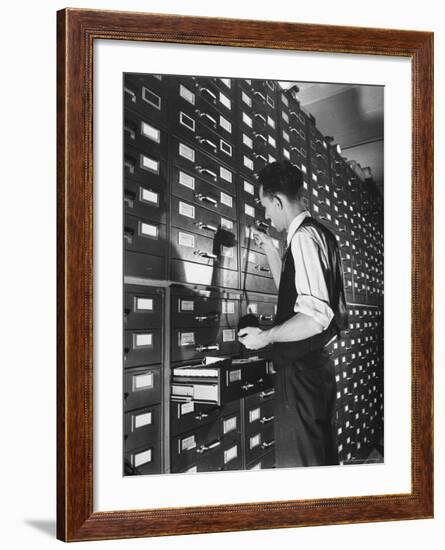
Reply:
x=310, y=254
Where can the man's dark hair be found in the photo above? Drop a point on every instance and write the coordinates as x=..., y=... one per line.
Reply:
x=281, y=177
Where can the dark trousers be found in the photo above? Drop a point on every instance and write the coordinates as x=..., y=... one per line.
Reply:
x=305, y=411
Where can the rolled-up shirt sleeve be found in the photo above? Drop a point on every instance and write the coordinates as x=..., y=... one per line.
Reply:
x=310, y=259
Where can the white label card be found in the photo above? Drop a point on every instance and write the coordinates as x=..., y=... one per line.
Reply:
x=224, y=123
x=150, y=132
x=186, y=305
x=149, y=164
x=249, y=188
x=225, y=100
x=225, y=174
x=143, y=340
x=143, y=381
x=141, y=420
x=188, y=443
x=186, y=210
x=226, y=199
x=249, y=210
x=141, y=458
x=230, y=454
x=186, y=338
x=227, y=224
x=149, y=196
x=254, y=441
x=186, y=94
x=186, y=152
x=186, y=180
x=229, y=424
x=186, y=408
x=228, y=307
x=185, y=239
x=228, y=335
x=254, y=415
x=143, y=304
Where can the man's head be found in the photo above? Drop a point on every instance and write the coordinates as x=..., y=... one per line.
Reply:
x=281, y=185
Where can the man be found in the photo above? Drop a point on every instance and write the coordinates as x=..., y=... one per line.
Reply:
x=311, y=312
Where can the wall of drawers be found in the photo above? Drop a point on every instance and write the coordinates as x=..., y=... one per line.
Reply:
x=192, y=150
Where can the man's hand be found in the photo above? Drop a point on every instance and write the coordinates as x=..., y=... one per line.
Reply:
x=254, y=337
x=263, y=240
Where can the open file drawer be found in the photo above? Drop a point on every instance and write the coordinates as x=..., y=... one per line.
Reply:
x=220, y=382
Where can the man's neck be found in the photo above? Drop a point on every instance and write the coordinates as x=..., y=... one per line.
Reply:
x=292, y=212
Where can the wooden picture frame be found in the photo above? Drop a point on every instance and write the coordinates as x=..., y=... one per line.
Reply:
x=77, y=31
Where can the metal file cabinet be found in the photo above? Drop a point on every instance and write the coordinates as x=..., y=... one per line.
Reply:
x=193, y=147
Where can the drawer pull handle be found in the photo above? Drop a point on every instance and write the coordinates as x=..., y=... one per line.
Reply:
x=206, y=198
x=259, y=156
x=266, y=317
x=209, y=92
x=128, y=234
x=267, y=393
x=203, y=114
x=203, y=225
x=203, y=170
x=260, y=136
x=268, y=444
x=212, y=145
x=247, y=386
x=131, y=94
x=199, y=349
x=261, y=268
x=204, y=448
x=214, y=316
x=267, y=419
x=257, y=200
x=260, y=116
x=259, y=94
x=129, y=164
x=130, y=131
x=205, y=254
x=201, y=416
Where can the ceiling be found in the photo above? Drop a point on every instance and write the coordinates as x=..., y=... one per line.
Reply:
x=353, y=115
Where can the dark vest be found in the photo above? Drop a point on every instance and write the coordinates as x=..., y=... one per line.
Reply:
x=287, y=296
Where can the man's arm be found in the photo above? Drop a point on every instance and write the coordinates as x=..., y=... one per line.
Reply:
x=298, y=327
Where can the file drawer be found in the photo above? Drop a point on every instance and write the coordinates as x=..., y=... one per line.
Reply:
x=142, y=427
x=190, y=309
x=141, y=235
x=259, y=415
x=146, y=266
x=142, y=347
x=142, y=309
x=189, y=344
x=147, y=96
x=200, y=274
x=260, y=284
x=223, y=456
x=145, y=135
x=263, y=463
x=200, y=249
x=145, y=460
x=148, y=169
x=145, y=200
x=142, y=387
x=221, y=382
x=190, y=216
x=255, y=263
x=259, y=441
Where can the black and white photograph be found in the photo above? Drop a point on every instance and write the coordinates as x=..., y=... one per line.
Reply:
x=253, y=274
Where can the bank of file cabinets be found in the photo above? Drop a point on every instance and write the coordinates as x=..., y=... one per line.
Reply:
x=193, y=148
x=142, y=379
